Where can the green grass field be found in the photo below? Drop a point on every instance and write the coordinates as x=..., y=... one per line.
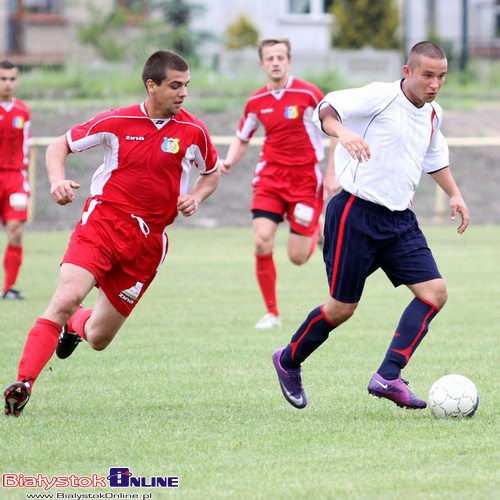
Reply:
x=188, y=389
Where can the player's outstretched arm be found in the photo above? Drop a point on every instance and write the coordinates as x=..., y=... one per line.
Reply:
x=332, y=185
x=61, y=188
x=205, y=185
x=236, y=151
x=445, y=180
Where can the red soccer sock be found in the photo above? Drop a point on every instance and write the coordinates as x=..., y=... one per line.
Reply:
x=76, y=324
x=12, y=261
x=266, y=277
x=40, y=345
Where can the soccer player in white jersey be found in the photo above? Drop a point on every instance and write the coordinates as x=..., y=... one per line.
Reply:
x=288, y=180
x=388, y=134
x=120, y=242
x=15, y=126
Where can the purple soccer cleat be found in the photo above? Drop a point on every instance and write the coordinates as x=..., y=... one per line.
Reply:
x=396, y=390
x=290, y=382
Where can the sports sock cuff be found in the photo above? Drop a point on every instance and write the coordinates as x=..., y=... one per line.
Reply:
x=430, y=304
x=325, y=317
x=14, y=249
x=49, y=325
x=266, y=256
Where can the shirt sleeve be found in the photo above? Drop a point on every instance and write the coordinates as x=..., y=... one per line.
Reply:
x=437, y=156
x=249, y=123
x=357, y=104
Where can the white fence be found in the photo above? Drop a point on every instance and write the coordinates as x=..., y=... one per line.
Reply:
x=474, y=162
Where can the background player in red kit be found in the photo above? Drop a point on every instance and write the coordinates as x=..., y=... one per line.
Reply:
x=14, y=187
x=120, y=241
x=287, y=180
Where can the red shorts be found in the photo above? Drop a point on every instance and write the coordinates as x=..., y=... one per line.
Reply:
x=294, y=191
x=14, y=194
x=118, y=252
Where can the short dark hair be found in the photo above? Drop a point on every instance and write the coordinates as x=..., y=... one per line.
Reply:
x=269, y=42
x=7, y=65
x=157, y=64
x=424, y=49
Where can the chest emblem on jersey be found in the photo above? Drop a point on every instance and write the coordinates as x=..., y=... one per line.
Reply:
x=170, y=145
x=291, y=112
x=18, y=122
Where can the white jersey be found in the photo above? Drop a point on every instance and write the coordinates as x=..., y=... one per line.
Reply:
x=403, y=141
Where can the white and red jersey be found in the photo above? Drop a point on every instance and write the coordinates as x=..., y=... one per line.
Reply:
x=291, y=139
x=147, y=161
x=15, y=125
x=404, y=140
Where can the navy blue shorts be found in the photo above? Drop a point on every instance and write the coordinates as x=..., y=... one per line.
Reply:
x=361, y=237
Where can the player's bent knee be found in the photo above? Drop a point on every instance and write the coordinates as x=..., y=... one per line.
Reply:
x=99, y=344
x=441, y=299
x=263, y=246
x=298, y=259
x=437, y=295
x=338, y=312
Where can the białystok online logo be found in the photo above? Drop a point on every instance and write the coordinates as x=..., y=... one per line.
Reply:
x=119, y=477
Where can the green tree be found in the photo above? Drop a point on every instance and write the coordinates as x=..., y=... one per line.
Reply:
x=102, y=32
x=242, y=33
x=175, y=32
x=365, y=22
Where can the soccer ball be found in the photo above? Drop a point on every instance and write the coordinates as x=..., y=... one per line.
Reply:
x=453, y=396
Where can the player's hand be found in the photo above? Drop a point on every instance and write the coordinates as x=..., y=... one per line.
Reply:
x=62, y=191
x=356, y=146
x=331, y=187
x=457, y=204
x=224, y=167
x=187, y=205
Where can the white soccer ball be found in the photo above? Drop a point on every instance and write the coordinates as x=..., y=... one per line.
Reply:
x=453, y=396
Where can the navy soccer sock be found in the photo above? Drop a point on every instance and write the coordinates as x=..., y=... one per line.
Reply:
x=412, y=328
x=310, y=335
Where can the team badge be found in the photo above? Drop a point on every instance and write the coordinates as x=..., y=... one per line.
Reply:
x=18, y=122
x=170, y=145
x=291, y=112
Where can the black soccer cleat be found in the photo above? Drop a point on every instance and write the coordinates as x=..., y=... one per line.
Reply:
x=16, y=396
x=12, y=294
x=67, y=343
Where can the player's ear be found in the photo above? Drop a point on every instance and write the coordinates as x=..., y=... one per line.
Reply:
x=150, y=86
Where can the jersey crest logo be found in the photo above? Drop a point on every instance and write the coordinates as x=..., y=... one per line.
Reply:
x=170, y=145
x=291, y=112
x=18, y=122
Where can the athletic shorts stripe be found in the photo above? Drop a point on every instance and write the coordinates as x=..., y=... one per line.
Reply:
x=339, y=243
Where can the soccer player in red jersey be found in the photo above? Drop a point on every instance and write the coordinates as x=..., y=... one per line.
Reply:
x=120, y=241
x=14, y=187
x=287, y=180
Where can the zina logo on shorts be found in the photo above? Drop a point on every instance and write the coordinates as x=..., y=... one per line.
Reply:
x=130, y=295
